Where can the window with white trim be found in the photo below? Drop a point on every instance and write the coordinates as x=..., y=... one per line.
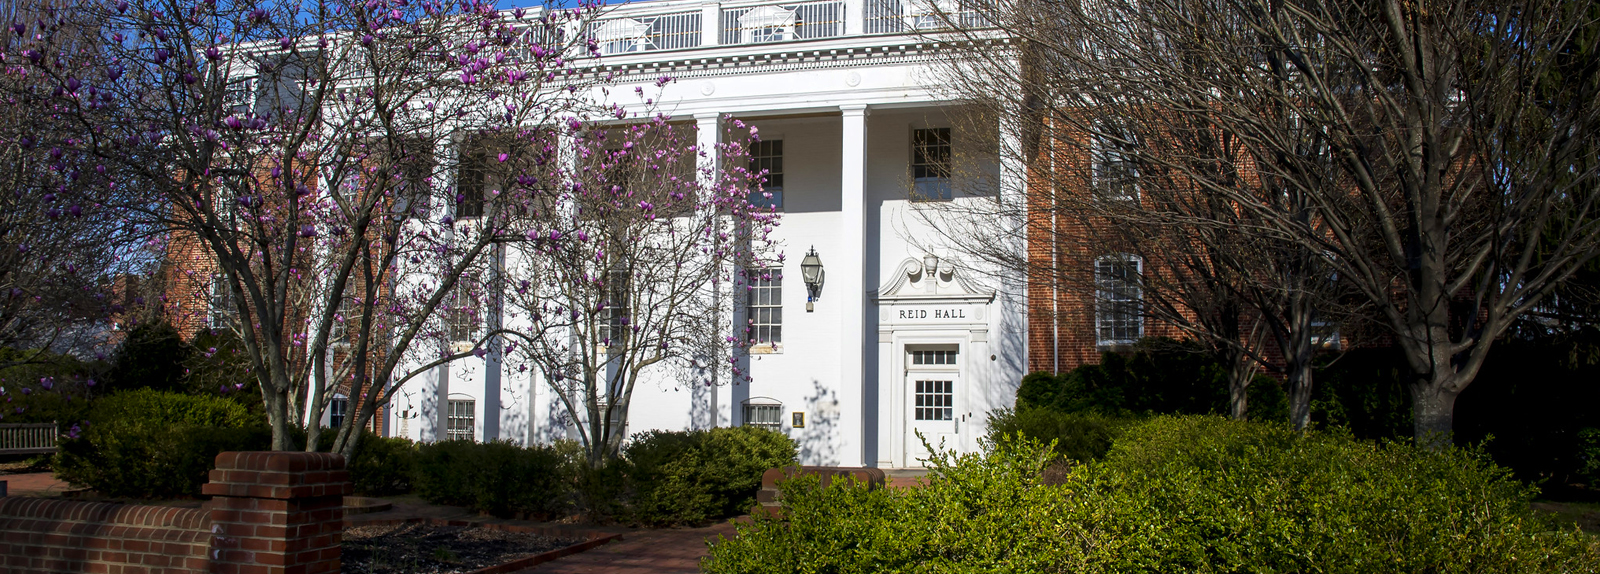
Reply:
x=222, y=306
x=340, y=331
x=933, y=357
x=336, y=411
x=767, y=155
x=1114, y=174
x=460, y=421
x=615, y=317
x=471, y=178
x=930, y=164
x=461, y=319
x=763, y=415
x=1119, y=300
x=764, y=312
x=935, y=400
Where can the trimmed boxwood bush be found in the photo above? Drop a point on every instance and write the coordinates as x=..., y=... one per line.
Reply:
x=1080, y=437
x=152, y=444
x=1174, y=494
x=695, y=476
x=382, y=466
x=500, y=477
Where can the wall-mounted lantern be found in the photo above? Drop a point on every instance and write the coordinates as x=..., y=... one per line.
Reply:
x=811, y=272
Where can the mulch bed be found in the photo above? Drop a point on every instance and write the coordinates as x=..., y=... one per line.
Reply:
x=429, y=549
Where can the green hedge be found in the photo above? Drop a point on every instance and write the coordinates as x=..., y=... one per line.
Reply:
x=1080, y=437
x=501, y=478
x=152, y=444
x=1174, y=494
x=691, y=477
x=382, y=466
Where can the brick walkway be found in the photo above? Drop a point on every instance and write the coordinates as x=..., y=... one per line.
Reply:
x=33, y=484
x=666, y=551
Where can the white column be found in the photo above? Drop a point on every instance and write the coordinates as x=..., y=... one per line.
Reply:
x=1012, y=339
x=849, y=284
x=710, y=23
x=708, y=132
x=854, y=16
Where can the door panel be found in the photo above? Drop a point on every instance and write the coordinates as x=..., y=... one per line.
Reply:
x=931, y=412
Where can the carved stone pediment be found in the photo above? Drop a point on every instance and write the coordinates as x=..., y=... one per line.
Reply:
x=949, y=283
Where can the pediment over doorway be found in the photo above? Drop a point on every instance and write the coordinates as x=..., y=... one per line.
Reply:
x=949, y=283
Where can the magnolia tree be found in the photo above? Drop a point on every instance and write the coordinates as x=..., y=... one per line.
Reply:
x=63, y=235
x=300, y=154
x=640, y=250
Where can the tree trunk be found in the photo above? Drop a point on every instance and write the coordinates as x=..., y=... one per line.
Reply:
x=1239, y=378
x=1300, y=393
x=278, y=417
x=1433, y=410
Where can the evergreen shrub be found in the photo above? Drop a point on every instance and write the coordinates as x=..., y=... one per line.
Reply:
x=1174, y=494
x=146, y=443
x=501, y=478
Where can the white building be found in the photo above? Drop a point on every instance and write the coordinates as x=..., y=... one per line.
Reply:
x=901, y=340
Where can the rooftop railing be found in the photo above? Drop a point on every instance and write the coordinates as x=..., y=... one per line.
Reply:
x=669, y=25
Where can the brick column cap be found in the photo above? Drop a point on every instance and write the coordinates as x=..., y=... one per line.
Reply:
x=278, y=475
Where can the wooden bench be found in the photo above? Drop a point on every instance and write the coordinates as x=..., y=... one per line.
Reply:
x=28, y=438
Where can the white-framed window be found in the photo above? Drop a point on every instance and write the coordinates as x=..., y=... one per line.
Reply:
x=221, y=304
x=340, y=331
x=767, y=415
x=1119, y=300
x=416, y=186
x=461, y=318
x=461, y=420
x=1114, y=173
x=764, y=311
x=1324, y=333
x=930, y=164
x=336, y=411
x=615, y=317
x=768, y=155
x=942, y=357
x=470, y=182
x=935, y=400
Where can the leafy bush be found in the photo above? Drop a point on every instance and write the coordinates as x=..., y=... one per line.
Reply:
x=382, y=466
x=1081, y=437
x=1160, y=376
x=152, y=444
x=151, y=357
x=42, y=387
x=500, y=477
x=1174, y=494
x=695, y=476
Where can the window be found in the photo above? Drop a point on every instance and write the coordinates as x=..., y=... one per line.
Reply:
x=930, y=164
x=935, y=400
x=1119, y=300
x=764, y=311
x=614, y=318
x=933, y=357
x=767, y=416
x=768, y=155
x=1324, y=333
x=222, y=302
x=470, y=180
x=415, y=188
x=459, y=421
x=336, y=411
x=1115, y=175
x=340, y=332
x=461, y=322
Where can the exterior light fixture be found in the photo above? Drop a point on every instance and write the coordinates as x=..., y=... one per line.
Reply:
x=930, y=264
x=811, y=272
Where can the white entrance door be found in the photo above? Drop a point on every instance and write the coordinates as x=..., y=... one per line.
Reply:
x=931, y=382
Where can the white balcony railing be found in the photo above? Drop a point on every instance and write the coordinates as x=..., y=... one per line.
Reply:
x=675, y=24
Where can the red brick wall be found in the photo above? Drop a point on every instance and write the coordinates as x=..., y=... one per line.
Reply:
x=50, y=535
x=271, y=513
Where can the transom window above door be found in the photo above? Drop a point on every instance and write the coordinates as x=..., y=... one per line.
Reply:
x=945, y=357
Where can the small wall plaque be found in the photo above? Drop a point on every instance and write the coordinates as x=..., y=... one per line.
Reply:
x=799, y=420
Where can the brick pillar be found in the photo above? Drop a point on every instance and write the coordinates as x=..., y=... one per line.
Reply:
x=277, y=512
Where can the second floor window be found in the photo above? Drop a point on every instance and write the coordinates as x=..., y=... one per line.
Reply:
x=1119, y=300
x=460, y=422
x=764, y=314
x=768, y=155
x=461, y=322
x=221, y=305
x=1114, y=173
x=336, y=412
x=470, y=183
x=930, y=164
x=615, y=317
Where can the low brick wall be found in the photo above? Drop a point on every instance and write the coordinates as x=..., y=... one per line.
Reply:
x=50, y=535
x=271, y=513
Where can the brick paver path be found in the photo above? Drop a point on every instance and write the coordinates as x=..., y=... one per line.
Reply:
x=665, y=551
x=33, y=484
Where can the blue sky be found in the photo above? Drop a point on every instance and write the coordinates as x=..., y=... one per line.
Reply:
x=509, y=4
